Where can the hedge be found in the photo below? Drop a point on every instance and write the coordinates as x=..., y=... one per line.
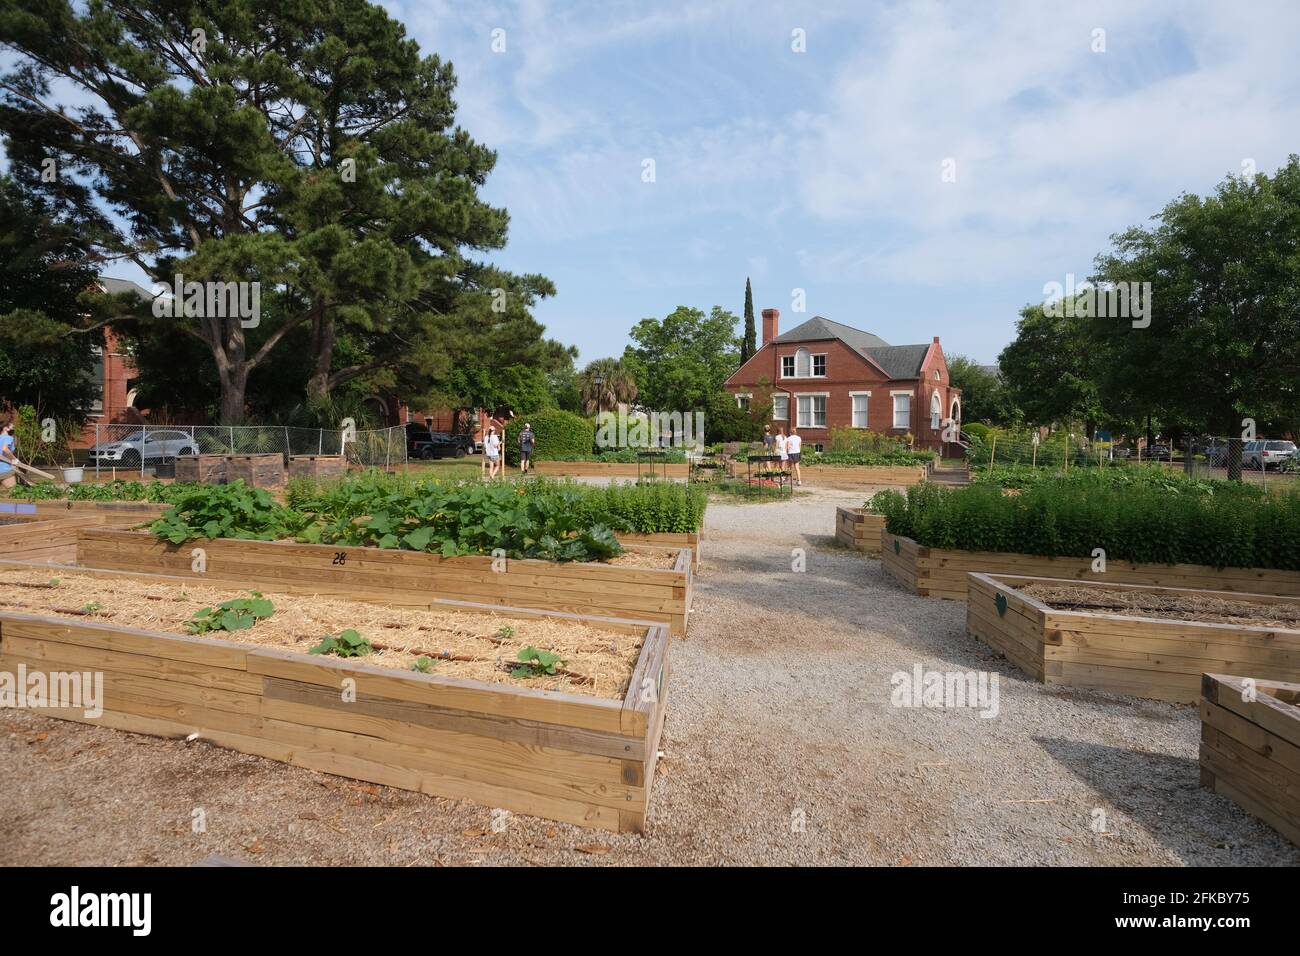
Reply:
x=559, y=435
x=1229, y=526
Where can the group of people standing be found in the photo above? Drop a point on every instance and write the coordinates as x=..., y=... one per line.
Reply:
x=492, y=459
x=788, y=448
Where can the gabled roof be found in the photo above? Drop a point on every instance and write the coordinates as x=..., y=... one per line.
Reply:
x=901, y=361
x=897, y=361
x=819, y=328
x=117, y=286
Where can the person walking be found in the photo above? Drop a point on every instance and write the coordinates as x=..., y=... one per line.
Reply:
x=778, y=445
x=7, y=454
x=793, y=447
x=527, y=441
x=492, y=451
x=767, y=439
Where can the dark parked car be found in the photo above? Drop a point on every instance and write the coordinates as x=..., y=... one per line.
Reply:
x=422, y=443
x=1159, y=453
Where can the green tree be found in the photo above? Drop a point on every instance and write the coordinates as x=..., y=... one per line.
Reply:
x=984, y=398
x=44, y=362
x=1223, y=340
x=309, y=147
x=749, y=344
x=681, y=361
x=616, y=385
x=1049, y=370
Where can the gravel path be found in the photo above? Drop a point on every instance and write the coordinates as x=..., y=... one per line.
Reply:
x=781, y=747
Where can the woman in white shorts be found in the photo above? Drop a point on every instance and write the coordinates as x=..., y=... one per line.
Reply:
x=779, y=445
x=793, y=449
x=492, y=451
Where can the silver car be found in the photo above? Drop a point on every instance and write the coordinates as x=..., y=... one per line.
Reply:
x=1265, y=454
x=144, y=445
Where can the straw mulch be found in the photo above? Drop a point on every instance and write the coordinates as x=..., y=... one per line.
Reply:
x=598, y=661
x=1205, y=609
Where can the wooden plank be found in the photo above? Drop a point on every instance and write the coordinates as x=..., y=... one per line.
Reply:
x=550, y=707
x=199, y=651
x=411, y=578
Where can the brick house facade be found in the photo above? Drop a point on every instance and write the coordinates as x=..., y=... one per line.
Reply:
x=823, y=375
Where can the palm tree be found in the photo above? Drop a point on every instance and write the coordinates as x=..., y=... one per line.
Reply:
x=605, y=383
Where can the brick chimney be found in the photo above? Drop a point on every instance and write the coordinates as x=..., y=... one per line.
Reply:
x=770, y=317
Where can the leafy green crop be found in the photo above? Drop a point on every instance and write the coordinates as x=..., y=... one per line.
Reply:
x=346, y=644
x=423, y=665
x=227, y=511
x=1229, y=525
x=536, y=663
x=238, y=614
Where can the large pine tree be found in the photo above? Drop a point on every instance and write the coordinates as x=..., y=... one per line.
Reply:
x=307, y=146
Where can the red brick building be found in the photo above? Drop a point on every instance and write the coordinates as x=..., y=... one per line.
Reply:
x=824, y=375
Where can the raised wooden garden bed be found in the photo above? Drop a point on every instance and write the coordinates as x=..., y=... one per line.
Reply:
x=116, y=514
x=577, y=758
x=943, y=573
x=664, y=539
x=858, y=529
x=204, y=469
x=411, y=578
x=862, y=476
x=1157, y=643
x=606, y=469
x=1250, y=747
x=317, y=466
x=45, y=540
x=256, y=471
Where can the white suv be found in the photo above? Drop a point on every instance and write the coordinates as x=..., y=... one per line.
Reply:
x=155, y=444
x=1263, y=454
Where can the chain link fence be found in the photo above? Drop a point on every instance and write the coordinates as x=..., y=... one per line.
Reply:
x=155, y=448
x=1262, y=460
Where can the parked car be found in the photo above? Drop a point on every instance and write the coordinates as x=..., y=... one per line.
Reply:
x=1159, y=453
x=151, y=445
x=424, y=444
x=1266, y=453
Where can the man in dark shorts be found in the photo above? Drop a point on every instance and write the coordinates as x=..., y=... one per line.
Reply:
x=527, y=441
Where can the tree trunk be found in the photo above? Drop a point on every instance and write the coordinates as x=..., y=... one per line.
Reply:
x=1234, y=459
x=322, y=349
x=234, y=384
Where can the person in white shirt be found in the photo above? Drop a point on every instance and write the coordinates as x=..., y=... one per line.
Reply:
x=779, y=445
x=793, y=444
x=492, y=451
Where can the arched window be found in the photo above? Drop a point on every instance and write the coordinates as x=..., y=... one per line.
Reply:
x=956, y=410
x=936, y=411
x=802, y=363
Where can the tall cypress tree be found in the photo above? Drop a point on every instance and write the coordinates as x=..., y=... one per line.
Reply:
x=749, y=345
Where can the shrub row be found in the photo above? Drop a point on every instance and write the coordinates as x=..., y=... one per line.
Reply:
x=1231, y=527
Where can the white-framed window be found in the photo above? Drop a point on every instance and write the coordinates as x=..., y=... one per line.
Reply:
x=936, y=375
x=802, y=363
x=97, y=380
x=780, y=407
x=812, y=411
x=819, y=366
x=742, y=399
x=787, y=366
x=860, y=401
x=936, y=411
x=902, y=409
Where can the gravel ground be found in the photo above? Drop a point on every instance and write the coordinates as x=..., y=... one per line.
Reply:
x=781, y=747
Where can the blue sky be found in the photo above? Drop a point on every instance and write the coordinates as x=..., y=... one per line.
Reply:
x=822, y=170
